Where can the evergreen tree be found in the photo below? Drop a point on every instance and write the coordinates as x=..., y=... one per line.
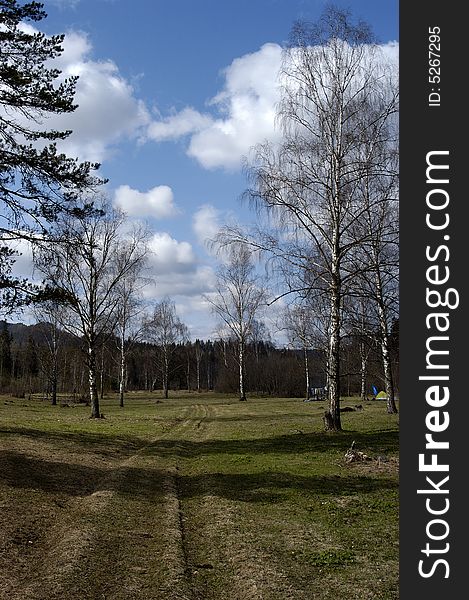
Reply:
x=5, y=353
x=31, y=360
x=36, y=181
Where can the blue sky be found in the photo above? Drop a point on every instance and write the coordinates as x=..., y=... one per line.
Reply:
x=171, y=95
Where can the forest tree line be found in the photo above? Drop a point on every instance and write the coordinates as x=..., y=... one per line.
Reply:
x=26, y=367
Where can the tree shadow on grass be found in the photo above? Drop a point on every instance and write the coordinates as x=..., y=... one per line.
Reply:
x=20, y=471
x=372, y=443
x=272, y=487
x=107, y=445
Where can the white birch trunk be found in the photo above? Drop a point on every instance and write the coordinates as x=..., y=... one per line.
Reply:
x=332, y=417
x=385, y=354
x=122, y=370
x=242, y=394
x=363, y=363
x=94, y=399
x=305, y=351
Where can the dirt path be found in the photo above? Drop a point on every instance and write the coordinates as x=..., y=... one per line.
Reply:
x=122, y=539
x=150, y=526
x=224, y=562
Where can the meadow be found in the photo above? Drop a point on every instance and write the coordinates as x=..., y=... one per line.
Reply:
x=198, y=497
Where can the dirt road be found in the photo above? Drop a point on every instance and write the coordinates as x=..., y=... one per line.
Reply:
x=92, y=526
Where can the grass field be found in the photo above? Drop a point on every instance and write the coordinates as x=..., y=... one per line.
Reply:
x=198, y=497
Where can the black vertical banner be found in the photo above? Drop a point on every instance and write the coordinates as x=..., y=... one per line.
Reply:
x=434, y=341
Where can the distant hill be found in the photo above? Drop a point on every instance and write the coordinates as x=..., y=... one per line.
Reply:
x=21, y=333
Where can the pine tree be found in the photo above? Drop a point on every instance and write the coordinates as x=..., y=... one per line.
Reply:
x=5, y=354
x=31, y=360
x=37, y=182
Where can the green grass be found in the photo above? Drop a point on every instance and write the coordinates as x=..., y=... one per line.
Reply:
x=197, y=497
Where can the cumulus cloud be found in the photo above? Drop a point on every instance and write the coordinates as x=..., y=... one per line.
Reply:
x=246, y=109
x=177, y=272
x=187, y=290
x=188, y=286
x=176, y=269
x=108, y=110
x=187, y=121
x=158, y=202
x=390, y=53
x=206, y=223
x=195, y=313
x=169, y=255
x=249, y=101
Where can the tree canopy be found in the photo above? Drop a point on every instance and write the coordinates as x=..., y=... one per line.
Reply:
x=37, y=182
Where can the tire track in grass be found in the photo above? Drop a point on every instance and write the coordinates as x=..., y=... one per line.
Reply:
x=64, y=564
x=227, y=560
x=201, y=413
x=179, y=538
x=175, y=582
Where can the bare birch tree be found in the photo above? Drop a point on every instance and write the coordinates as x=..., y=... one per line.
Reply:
x=165, y=329
x=129, y=325
x=298, y=324
x=336, y=94
x=237, y=301
x=49, y=315
x=379, y=256
x=81, y=262
x=199, y=354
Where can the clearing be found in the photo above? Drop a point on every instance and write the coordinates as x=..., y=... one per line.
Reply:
x=199, y=497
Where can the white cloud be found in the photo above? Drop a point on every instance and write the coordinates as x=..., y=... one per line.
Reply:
x=205, y=223
x=158, y=202
x=187, y=294
x=63, y=4
x=196, y=314
x=189, y=286
x=108, y=110
x=76, y=48
x=246, y=106
x=187, y=121
x=170, y=256
x=249, y=101
x=244, y=110
x=177, y=272
x=390, y=53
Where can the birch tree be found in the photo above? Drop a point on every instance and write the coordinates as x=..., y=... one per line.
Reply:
x=199, y=354
x=238, y=299
x=297, y=322
x=50, y=315
x=129, y=324
x=165, y=329
x=361, y=324
x=379, y=280
x=82, y=263
x=377, y=257
x=336, y=92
